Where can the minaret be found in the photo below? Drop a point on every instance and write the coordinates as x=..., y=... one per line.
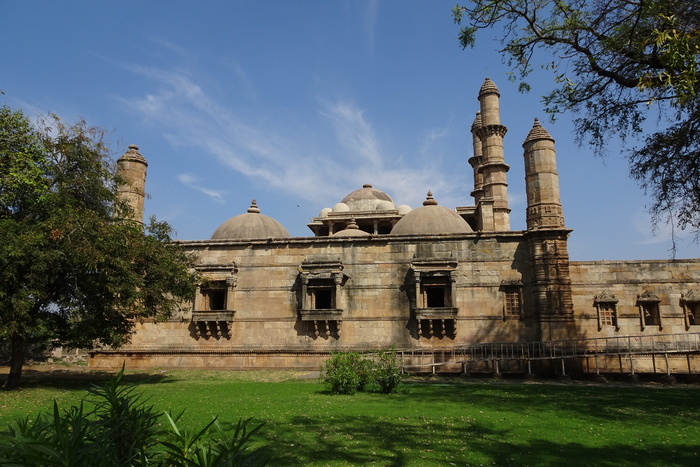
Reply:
x=542, y=181
x=131, y=167
x=547, y=238
x=475, y=162
x=493, y=206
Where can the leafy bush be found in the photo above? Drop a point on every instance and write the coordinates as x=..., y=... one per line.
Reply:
x=387, y=371
x=122, y=430
x=345, y=373
x=349, y=372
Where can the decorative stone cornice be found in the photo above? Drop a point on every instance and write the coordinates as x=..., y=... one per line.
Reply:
x=490, y=130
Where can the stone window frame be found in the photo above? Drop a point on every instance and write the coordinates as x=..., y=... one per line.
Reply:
x=690, y=302
x=318, y=273
x=427, y=273
x=215, y=322
x=648, y=304
x=606, y=300
x=512, y=292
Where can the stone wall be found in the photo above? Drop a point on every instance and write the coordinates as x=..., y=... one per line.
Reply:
x=626, y=280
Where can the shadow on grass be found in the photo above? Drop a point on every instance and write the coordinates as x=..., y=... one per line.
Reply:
x=365, y=441
x=76, y=380
x=619, y=403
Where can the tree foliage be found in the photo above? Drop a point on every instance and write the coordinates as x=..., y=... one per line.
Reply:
x=74, y=269
x=627, y=68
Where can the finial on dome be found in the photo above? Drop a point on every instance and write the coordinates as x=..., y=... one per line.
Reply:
x=537, y=132
x=367, y=185
x=134, y=147
x=429, y=201
x=353, y=225
x=254, y=207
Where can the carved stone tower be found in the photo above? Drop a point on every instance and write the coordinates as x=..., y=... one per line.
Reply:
x=131, y=167
x=475, y=161
x=492, y=205
x=547, y=236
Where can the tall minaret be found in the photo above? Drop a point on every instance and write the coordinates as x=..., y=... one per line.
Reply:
x=475, y=161
x=493, y=208
x=131, y=167
x=547, y=238
x=542, y=181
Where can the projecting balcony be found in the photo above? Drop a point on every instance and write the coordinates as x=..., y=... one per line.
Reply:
x=436, y=313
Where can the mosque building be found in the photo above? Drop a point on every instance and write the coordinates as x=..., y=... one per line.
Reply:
x=432, y=280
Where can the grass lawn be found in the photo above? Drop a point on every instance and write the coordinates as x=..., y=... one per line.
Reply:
x=426, y=423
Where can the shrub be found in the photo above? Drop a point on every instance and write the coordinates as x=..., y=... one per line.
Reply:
x=349, y=372
x=122, y=430
x=387, y=371
x=345, y=373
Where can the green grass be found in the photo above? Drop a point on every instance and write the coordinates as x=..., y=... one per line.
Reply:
x=474, y=423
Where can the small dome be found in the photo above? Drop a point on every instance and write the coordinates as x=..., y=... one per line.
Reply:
x=431, y=219
x=404, y=209
x=366, y=199
x=324, y=212
x=341, y=207
x=250, y=225
x=385, y=206
x=352, y=230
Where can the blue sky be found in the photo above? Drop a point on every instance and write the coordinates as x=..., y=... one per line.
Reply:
x=298, y=103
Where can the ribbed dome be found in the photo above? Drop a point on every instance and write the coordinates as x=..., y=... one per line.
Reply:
x=431, y=219
x=250, y=225
x=366, y=199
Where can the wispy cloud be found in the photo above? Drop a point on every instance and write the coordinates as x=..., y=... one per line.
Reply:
x=370, y=23
x=193, y=182
x=650, y=234
x=290, y=159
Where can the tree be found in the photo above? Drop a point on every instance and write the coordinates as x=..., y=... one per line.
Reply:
x=627, y=68
x=75, y=270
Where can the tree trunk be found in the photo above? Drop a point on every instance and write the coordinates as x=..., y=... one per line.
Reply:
x=16, y=362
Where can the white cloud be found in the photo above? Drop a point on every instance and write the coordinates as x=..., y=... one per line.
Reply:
x=193, y=182
x=291, y=158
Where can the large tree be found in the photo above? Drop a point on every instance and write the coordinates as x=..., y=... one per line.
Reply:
x=629, y=69
x=75, y=269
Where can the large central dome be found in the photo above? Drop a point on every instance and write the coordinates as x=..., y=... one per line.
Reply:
x=252, y=224
x=367, y=199
x=431, y=219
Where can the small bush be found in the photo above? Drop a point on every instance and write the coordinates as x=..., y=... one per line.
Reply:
x=349, y=372
x=345, y=373
x=387, y=371
x=122, y=430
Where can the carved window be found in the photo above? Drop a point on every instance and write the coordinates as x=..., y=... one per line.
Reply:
x=214, y=296
x=436, y=293
x=321, y=294
x=607, y=314
x=212, y=314
x=321, y=278
x=649, y=313
x=512, y=302
x=432, y=297
x=691, y=308
x=606, y=306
